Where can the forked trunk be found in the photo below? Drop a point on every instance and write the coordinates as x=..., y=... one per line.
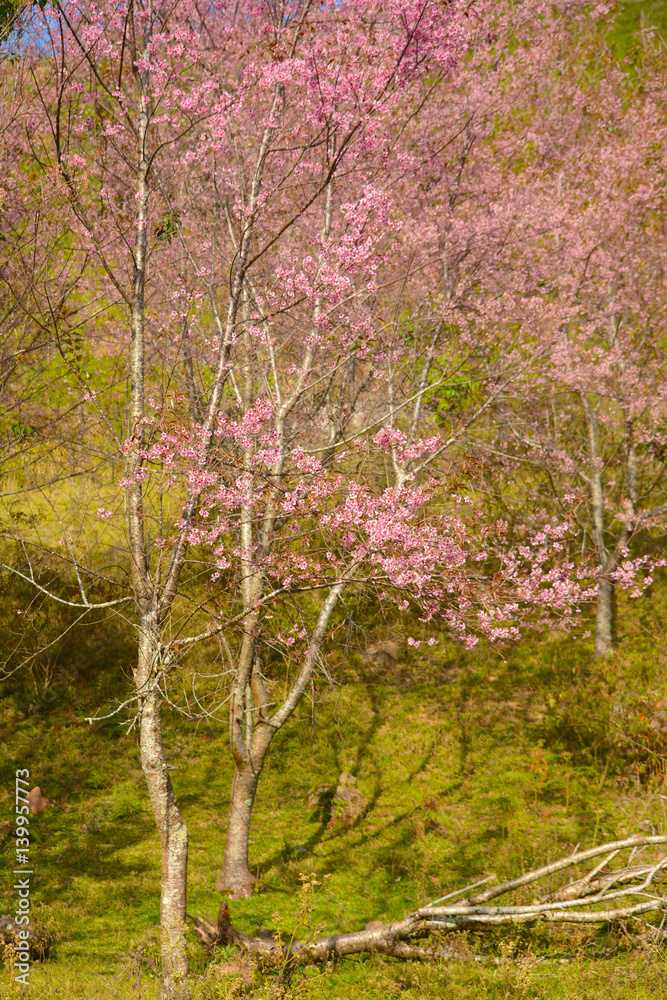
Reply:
x=172, y=829
x=604, y=619
x=236, y=879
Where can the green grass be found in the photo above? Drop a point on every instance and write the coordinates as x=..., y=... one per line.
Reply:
x=469, y=765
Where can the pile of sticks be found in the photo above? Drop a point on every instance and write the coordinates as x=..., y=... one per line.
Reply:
x=602, y=895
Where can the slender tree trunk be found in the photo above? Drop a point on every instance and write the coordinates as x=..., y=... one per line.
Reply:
x=604, y=619
x=171, y=827
x=170, y=824
x=236, y=880
x=604, y=616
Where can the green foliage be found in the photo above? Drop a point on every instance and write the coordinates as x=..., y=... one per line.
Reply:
x=8, y=11
x=9, y=15
x=633, y=16
x=168, y=228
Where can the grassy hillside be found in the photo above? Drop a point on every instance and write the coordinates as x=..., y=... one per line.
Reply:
x=467, y=764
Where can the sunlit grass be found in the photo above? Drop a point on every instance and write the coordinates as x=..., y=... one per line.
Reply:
x=467, y=764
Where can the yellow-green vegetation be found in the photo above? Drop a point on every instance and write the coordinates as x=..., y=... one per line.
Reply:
x=468, y=764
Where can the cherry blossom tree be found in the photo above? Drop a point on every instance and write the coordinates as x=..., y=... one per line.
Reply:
x=210, y=149
x=584, y=279
x=551, y=186
x=275, y=304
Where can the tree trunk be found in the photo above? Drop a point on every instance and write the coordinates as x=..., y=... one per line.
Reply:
x=236, y=880
x=604, y=619
x=172, y=829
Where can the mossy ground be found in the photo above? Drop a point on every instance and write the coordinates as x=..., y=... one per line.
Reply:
x=468, y=763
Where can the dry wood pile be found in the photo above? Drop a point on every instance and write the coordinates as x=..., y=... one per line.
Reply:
x=603, y=894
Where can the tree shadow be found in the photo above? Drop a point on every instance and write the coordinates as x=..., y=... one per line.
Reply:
x=322, y=811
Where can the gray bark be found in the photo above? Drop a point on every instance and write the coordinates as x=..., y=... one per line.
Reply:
x=604, y=619
x=236, y=880
x=604, y=613
x=171, y=826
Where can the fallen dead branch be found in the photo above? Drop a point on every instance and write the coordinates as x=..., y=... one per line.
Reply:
x=600, y=896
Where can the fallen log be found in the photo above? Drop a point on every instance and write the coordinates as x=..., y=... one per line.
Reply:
x=629, y=889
